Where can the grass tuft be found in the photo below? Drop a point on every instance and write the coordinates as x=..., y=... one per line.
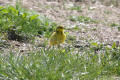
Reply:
x=58, y=64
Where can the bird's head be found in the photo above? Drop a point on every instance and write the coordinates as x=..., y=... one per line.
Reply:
x=60, y=29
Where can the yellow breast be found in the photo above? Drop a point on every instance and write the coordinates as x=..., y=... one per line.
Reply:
x=57, y=38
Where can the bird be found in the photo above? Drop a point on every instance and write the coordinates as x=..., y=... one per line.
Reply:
x=58, y=37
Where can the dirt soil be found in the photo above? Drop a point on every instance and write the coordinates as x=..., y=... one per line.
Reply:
x=60, y=12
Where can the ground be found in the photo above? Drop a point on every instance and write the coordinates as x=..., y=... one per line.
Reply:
x=86, y=23
x=104, y=29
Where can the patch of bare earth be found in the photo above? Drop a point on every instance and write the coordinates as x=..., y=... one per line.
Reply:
x=60, y=12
